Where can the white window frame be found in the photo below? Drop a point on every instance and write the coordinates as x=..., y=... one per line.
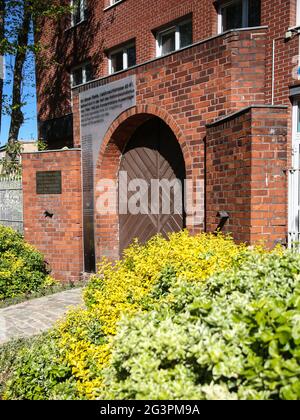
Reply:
x=83, y=68
x=112, y=2
x=170, y=29
x=296, y=134
x=245, y=17
x=82, y=12
x=293, y=181
x=125, y=57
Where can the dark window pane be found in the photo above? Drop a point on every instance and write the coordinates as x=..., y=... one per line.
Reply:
x=77, y=77
x=168, y=42
x=89, y=75
x=131, y=56
x=254, y=12
x=232, y=16
x=117, y=61
x=76, y=11
x=86, y=13
x=186, y=34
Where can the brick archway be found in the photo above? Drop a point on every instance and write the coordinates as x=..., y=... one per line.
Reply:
x=114, y=143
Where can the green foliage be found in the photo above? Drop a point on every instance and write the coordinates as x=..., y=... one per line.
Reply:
x=192, y=317
x=42, y=145
x=22, y=267
x=130, y=285
x=40, y=364
x=11, y=162
x=236, y=336
x=8, y=357
x=18, y=20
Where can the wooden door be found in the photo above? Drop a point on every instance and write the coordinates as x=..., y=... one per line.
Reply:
x=153, y=153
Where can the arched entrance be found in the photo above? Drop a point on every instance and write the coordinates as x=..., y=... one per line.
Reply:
x=153, y=160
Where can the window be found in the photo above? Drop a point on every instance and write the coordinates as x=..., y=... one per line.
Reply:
x=239, y=14
x=122, y=58
x=298, y=13
x=82, y=74
x=79, y=11
x=174, y=38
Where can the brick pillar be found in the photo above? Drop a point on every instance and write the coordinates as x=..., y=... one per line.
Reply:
x=59, y=238
x=246, y=155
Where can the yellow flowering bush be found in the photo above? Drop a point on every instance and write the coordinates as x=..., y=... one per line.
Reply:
x=22, y=268
x=120, y=289
x=84, y=339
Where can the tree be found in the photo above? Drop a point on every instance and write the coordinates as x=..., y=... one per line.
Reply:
x=2, y=8
x=20, y=23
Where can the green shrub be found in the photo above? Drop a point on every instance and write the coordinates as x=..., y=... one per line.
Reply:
x=38, y=370
x=131, y=285
x=22, y=267
x=188, y=318
x=8, y=357
x=236, y=336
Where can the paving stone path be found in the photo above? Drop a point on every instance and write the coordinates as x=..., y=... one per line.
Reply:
x=37, y=315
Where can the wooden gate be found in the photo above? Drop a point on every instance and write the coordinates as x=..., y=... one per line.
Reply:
x=153, y=153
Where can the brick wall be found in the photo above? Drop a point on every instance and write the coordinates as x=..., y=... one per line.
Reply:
x=280, y=15
x=109, y=27
x=186, y=90
x=104, y=30
x=58, y=238
x=199, y=84
x=246, y=158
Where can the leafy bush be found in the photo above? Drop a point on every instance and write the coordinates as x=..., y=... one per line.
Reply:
x=192, y=317
x=237, y=336
x=84, y=339
x=8, y=355
x=38, y=370
x=22, y=267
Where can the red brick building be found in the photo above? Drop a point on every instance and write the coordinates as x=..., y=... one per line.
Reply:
x=198, y=89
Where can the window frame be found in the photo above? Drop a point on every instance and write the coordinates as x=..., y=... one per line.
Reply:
x=245, y=15
x=83, y=9
x=293, y=184
x=123, y=49
x=298, y=13
x=83, y=68
x=172, y=28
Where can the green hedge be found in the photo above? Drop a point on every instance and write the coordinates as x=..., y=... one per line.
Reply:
x=216, y=321
x=235, y=337
x=22, y=267
x=23, y=359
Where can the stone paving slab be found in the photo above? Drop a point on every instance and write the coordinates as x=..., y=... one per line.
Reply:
x=36, y=316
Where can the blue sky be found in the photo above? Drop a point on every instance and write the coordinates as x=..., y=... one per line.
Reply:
x=29, y=129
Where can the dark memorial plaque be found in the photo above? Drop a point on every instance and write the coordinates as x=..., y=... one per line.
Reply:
x=88, y=204
x=99, y=107
x=48, y=182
